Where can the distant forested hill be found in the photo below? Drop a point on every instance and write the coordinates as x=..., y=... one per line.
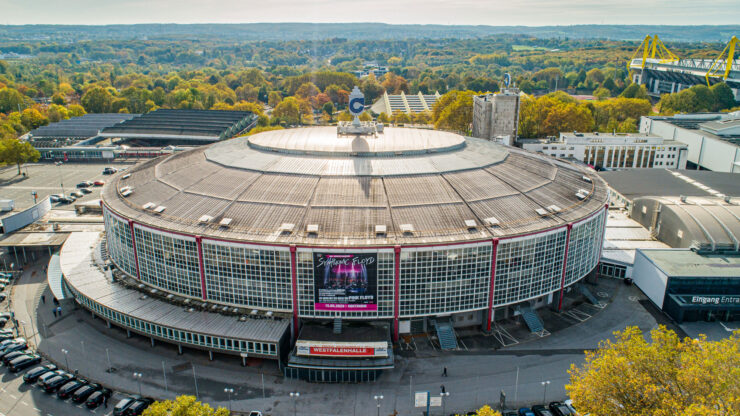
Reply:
x=355, y=31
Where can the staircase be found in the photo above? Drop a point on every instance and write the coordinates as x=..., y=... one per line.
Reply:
x=589, y=296
x=446, y=335
x=533, y=321
x=337, y=325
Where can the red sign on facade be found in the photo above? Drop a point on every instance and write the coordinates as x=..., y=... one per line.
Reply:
x=343, y=351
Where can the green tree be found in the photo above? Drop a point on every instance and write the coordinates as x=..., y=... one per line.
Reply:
x=32, y=118
x=97, y=100
x=665, y=376
x=454, y=111
x=76, y=110
x=17, y=152
x=183, y=406
x=328, y=108
x=11, y=100
x=288, y=111
x=723, y=97
x=635, y=91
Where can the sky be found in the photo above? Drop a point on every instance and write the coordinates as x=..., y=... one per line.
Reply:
x=472, y=12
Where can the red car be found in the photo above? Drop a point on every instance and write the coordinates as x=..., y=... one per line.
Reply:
x=98, y=183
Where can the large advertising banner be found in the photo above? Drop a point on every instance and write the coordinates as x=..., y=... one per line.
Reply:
x=345, y=282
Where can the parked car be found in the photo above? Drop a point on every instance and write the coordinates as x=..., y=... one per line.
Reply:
x=561, y=409
x=3, y=320
x=84, y=392
x=526, y=411
x=98, y=183
x=540, y=410
x=33, y=374
x=97, y=398
x=510, y=413
x=3, y=296
x=55, y=197
x=109, y=171
x=255, y=413
x=53, y=383
x=122, y=405
x=84, y=184
x=67, y=199
x=13, y=348
x=23, y=362
x=77, y=194
x=6, y=334
x=68, y=388
x=12, y=355
x=86, y=190
x=6, y=315
x=569, y=403
x=42, y=378
x=137, y=407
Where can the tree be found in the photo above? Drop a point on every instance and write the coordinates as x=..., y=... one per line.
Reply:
x=17, y=152
x=486, y=410
x=664, y=377
x=32, y=118
x=10, y=100
x=274, y=98
x=97, y=100
x=723, y=97
x=454, y=111
x=595, y=76
x=328, y=108
x=635, y=91
x=183, y=406
x=601, y=93
x=76, y=110
x=288, y=111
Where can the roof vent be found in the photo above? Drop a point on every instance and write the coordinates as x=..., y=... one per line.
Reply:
x=126, y=176
x=491, y=221
x=312, y=228
x=254, y=312
x=225, y=222
x=380, y=229
x=170, y=296
x=586, y=178
x=268, y=313
x=543, y=212
x=149, y=205
x=160, y=209
x=126, y=193
x=471, y=224
x=287, y=227
x=407, y=228
x=682, y=198
x=205, y=218
x=581, y=195
x=728, y=199
x=553, y=208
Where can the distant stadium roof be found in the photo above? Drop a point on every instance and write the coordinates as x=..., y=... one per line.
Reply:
x=413, y=103
x=188, y=125
x=83, y=127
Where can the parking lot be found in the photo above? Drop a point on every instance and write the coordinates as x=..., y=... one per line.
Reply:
x=47, y=179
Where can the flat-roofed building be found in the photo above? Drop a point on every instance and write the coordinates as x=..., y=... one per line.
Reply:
x=713, y=139
x=613, y=150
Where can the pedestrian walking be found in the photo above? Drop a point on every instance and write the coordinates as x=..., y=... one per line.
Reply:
x=442, y=387
x=444, y=372
x=56, y=301
x=105, y=401
x=43, y=299
x=59, y=310
x=54, y=311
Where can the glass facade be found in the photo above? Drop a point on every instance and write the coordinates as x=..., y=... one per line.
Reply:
x=528, y=267
x=247, y=275
x=433, y=280
x=175, y=334
x=444, y=281
x=584, y=247
x=168, y=261
x=120, y=247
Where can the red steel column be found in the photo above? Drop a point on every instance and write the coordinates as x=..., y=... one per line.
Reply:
x=493, y=279
x=198, y=242
x=565, y=265
x=133, y=243
x=396, y=290
x=294, y=282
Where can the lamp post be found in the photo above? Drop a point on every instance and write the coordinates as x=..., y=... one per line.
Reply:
x=378, y=399
x=138, y=377
x=544, y=396
x=229, y=391
x=66, y=362
x=295, y=395
x=61, y=176
x=442, y=397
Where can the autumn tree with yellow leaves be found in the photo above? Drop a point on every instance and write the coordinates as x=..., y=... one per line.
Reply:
x=665, y=376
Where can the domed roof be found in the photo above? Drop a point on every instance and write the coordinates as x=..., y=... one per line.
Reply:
x=310, y=186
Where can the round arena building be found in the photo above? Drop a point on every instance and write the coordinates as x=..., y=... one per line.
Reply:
x=408, y=228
